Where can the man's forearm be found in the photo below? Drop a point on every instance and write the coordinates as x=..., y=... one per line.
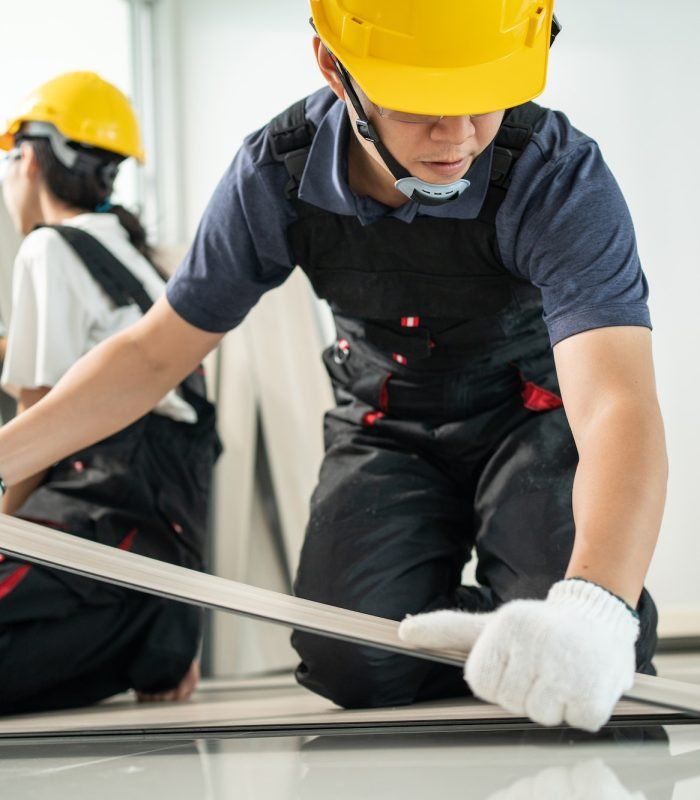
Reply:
x=114, y=384
x=16, y=495
x=618, y=498
x=106, y=390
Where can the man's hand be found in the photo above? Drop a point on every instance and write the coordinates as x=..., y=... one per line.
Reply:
x=183, y=691
x=568, y=658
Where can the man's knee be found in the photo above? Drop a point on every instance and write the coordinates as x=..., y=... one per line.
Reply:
x=355, y=676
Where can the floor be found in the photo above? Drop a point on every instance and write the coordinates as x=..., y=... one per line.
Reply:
x=264, y=738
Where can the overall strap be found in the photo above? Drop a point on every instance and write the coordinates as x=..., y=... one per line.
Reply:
x=116, y=280
x=122, y=287
x=519, y=123
x=291, y=135
x=512, y=138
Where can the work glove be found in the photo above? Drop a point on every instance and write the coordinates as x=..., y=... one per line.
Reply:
x=568, y=658
x=588, y=780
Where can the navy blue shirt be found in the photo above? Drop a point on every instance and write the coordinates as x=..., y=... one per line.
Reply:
x=564, y=226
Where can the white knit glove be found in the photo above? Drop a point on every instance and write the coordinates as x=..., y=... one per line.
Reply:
x=568, y=658
x=588, y=780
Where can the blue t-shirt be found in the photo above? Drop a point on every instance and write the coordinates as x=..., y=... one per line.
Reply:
x=564, y=226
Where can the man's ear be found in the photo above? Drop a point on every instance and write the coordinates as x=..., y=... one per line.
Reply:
x=29, y=163
x=327, y=66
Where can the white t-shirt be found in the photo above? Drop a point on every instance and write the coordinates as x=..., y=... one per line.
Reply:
x=59, y=311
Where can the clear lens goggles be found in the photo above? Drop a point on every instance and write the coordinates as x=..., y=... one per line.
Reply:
x=403, y=116
x=415, y=119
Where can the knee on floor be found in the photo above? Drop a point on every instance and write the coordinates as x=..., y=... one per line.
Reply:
x=355, y=676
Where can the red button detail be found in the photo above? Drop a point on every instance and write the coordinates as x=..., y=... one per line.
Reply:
x=535, y=398
x=371, y=417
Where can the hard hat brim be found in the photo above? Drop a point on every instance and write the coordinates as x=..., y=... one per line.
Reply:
x=475, y=89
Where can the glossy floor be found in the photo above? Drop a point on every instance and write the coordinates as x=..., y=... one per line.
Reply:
x=629, y=761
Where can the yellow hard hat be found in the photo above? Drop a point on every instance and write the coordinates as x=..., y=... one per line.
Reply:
x=441, y=57
x=85, y=109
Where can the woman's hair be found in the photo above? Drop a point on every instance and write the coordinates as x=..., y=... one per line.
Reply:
x=88, y=184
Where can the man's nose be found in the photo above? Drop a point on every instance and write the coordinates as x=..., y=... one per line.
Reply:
x=453, y=129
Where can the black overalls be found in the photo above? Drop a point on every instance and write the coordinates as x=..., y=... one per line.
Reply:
x=68, y=641
x=448, y=437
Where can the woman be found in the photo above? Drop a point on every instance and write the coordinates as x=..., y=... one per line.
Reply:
x=83, y=272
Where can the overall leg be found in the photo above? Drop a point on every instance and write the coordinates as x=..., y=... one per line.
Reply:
x=58, y=651
x=388, y=535
x=524, y=518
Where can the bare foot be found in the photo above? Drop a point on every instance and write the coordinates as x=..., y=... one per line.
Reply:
x=181, y=692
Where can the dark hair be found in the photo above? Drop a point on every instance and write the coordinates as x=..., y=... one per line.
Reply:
x=89, y=184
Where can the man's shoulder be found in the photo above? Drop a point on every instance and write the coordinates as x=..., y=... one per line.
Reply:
x=45, y=244
x=555, y=138
x=42, y=245
x=44, y=260
x=258, y=145
x=554, y=161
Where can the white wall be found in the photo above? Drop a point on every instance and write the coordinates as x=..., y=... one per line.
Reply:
x=624, y=72
x=240, y=63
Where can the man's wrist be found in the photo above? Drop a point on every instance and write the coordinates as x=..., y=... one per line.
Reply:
x=632, y=611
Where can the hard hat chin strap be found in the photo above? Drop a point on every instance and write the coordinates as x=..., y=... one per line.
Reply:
x=430, y=194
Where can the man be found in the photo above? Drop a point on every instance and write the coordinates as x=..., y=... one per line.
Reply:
x=440, y=228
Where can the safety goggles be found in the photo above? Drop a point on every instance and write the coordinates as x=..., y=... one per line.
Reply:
x=404, y=116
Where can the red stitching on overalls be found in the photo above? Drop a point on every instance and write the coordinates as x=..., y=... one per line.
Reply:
x=13, y=579
x=384, y=393
x=128, y=540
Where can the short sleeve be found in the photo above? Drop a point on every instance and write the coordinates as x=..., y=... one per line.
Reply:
x=240, y=249
x=574, y=239
x=49, y=325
